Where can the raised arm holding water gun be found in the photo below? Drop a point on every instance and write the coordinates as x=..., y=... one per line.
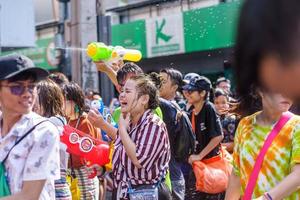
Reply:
x=109, y=59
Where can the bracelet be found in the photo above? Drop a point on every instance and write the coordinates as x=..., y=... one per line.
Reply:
x=268, y=196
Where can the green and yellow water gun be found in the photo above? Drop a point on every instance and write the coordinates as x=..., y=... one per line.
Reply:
x=98, y=51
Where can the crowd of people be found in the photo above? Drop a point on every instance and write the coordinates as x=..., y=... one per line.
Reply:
x=170, y=135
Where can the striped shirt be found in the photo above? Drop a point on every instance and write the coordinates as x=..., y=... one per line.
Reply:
x=152, y=151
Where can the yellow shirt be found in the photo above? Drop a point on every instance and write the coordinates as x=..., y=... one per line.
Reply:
x=282, y=155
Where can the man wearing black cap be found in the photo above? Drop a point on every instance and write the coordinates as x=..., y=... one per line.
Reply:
x=29, y=144
x=207, y=128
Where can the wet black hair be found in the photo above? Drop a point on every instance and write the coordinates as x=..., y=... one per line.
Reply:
x=156, y=79
x=128, y=68
x=145, y=86
x=50, y=97
x=175, y=76
x=59, y=78
x=73, y=92
x=221, y=80
x=219, y=92
x=266, y=27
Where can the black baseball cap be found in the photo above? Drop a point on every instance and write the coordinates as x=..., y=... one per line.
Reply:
x=15, y=64
x=198, y=84
x=187, y=78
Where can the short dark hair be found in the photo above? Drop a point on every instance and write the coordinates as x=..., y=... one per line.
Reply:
x=156, y=79
x=219, y=92
x=73, y=92
x=128, y=68
x=50, y=98
x=175, y=75
x=59, y=78
x=265, y=27
x=222, y=79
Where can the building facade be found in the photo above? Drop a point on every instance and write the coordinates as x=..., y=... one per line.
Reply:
x=190, y=35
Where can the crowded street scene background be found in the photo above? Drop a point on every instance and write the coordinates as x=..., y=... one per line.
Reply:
x=150, y=100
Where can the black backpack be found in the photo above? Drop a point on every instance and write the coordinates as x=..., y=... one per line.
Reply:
x=185, y=138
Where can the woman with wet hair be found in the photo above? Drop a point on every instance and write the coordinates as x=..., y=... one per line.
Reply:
x=142, y=149
x=50, y=103
x=77, y=118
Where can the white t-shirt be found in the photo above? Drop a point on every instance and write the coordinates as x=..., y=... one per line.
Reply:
x=36, y=157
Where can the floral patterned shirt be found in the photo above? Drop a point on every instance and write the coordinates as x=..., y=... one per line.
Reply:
x=36, y=157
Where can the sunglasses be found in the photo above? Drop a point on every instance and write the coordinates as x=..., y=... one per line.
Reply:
x=20, y=89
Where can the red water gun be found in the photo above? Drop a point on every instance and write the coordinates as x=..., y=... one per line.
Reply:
x=91, y=150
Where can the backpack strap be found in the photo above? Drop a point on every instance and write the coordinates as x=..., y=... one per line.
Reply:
x=285, y=117
x=21, y=138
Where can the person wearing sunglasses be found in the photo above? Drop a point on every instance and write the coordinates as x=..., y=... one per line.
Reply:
x=29, y=144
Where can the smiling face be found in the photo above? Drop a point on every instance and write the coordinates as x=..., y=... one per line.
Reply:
x=195, y=97
x=221, y=104
x=20, y=103
x=130, y=100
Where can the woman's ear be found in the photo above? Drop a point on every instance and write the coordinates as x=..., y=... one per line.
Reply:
x=203, y=93
x=145, y=99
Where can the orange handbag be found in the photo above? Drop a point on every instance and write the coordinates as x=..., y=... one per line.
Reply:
x=212, y=175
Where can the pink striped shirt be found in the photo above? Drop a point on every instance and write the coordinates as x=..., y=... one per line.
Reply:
x=152, y=151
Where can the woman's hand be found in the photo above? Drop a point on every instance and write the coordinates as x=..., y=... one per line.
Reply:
x=194, y=158
x=101, y=66
x=104, y=67
x=95, y=117
x=124, y=122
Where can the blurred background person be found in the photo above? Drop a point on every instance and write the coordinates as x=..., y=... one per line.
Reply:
x=77, y=118
x=50, y=104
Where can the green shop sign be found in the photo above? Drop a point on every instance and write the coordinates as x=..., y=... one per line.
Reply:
x=131, y=35
x=43, y=55
x=210, y=28
x=165, y=35
x=194, y=30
